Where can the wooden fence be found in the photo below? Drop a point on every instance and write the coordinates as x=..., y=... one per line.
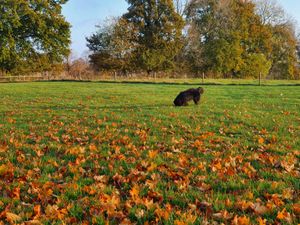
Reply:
x=6, y=79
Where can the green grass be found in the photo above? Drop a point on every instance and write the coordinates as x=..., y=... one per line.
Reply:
x=95, y=152
x=207, y=81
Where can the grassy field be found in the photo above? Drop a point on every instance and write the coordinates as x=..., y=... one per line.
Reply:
x=91, y=153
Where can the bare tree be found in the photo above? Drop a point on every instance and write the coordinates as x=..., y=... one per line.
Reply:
x=69, y=60
x=180, y=6
x=271, y=12
x=298, y=48
x=79, y=68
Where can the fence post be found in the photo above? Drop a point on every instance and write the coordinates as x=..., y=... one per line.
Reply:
x=259, y=78
x=202, y=78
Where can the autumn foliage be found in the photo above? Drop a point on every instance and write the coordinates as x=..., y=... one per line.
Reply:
x=88, y=158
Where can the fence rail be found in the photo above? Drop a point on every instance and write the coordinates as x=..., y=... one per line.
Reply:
x=21, y=78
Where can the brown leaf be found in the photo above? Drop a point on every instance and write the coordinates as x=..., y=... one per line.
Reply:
x=33, y=222
x=3, y=148
x=3, y=169
x=260, y=209
x=203, y=186
x=223, y=215
x=296, y=208
x=205, y=207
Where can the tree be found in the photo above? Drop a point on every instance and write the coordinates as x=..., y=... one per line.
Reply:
x=112, y=46
x=78, y=68
x=298, y=58
x=33, y=35
x=229, y=33
x=270, y=12
x=159, y=33
x=255, y=65
x=284, y=56
x=284, y=40
x=298, y=47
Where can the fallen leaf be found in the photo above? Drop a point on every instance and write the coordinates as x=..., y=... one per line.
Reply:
x=224, y=215
x=3, y=169
x=33, y=222
x=261, y=140
x=134, y=192
x=93, y=147
x=262, y=221
x=296, y=208
x=260, y=209
x=244, y=220
x=37, y=211
x=284, y=215
x=178, y=222
x=13, y=218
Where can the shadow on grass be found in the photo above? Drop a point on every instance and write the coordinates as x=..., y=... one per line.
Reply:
x=170, y=83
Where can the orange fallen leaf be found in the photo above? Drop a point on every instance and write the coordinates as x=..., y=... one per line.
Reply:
x=261, y=140
x=178, y=222
x=284, y=215
x=134, y=192
x=37, y=211
x=3, y=148
x=244, y=205
x=244, y=220
x=93, y=147
x=152, y=154
x=228, y=203
x=216, y=166
x=3, y=169
x=33, y=222
x=162, y=213
x=261, y=221
x=296, y=208
x=13, y=218
x=10, y=120
x=16, y=193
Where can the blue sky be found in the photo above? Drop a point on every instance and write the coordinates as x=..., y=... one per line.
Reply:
x=85, y=14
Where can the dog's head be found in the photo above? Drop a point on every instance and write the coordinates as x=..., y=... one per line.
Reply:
x=201, y=90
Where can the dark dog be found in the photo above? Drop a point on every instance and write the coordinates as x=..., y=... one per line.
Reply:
x=191, y=94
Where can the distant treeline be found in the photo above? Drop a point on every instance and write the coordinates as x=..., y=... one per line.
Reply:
x=228, y=38
x=221, y=38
